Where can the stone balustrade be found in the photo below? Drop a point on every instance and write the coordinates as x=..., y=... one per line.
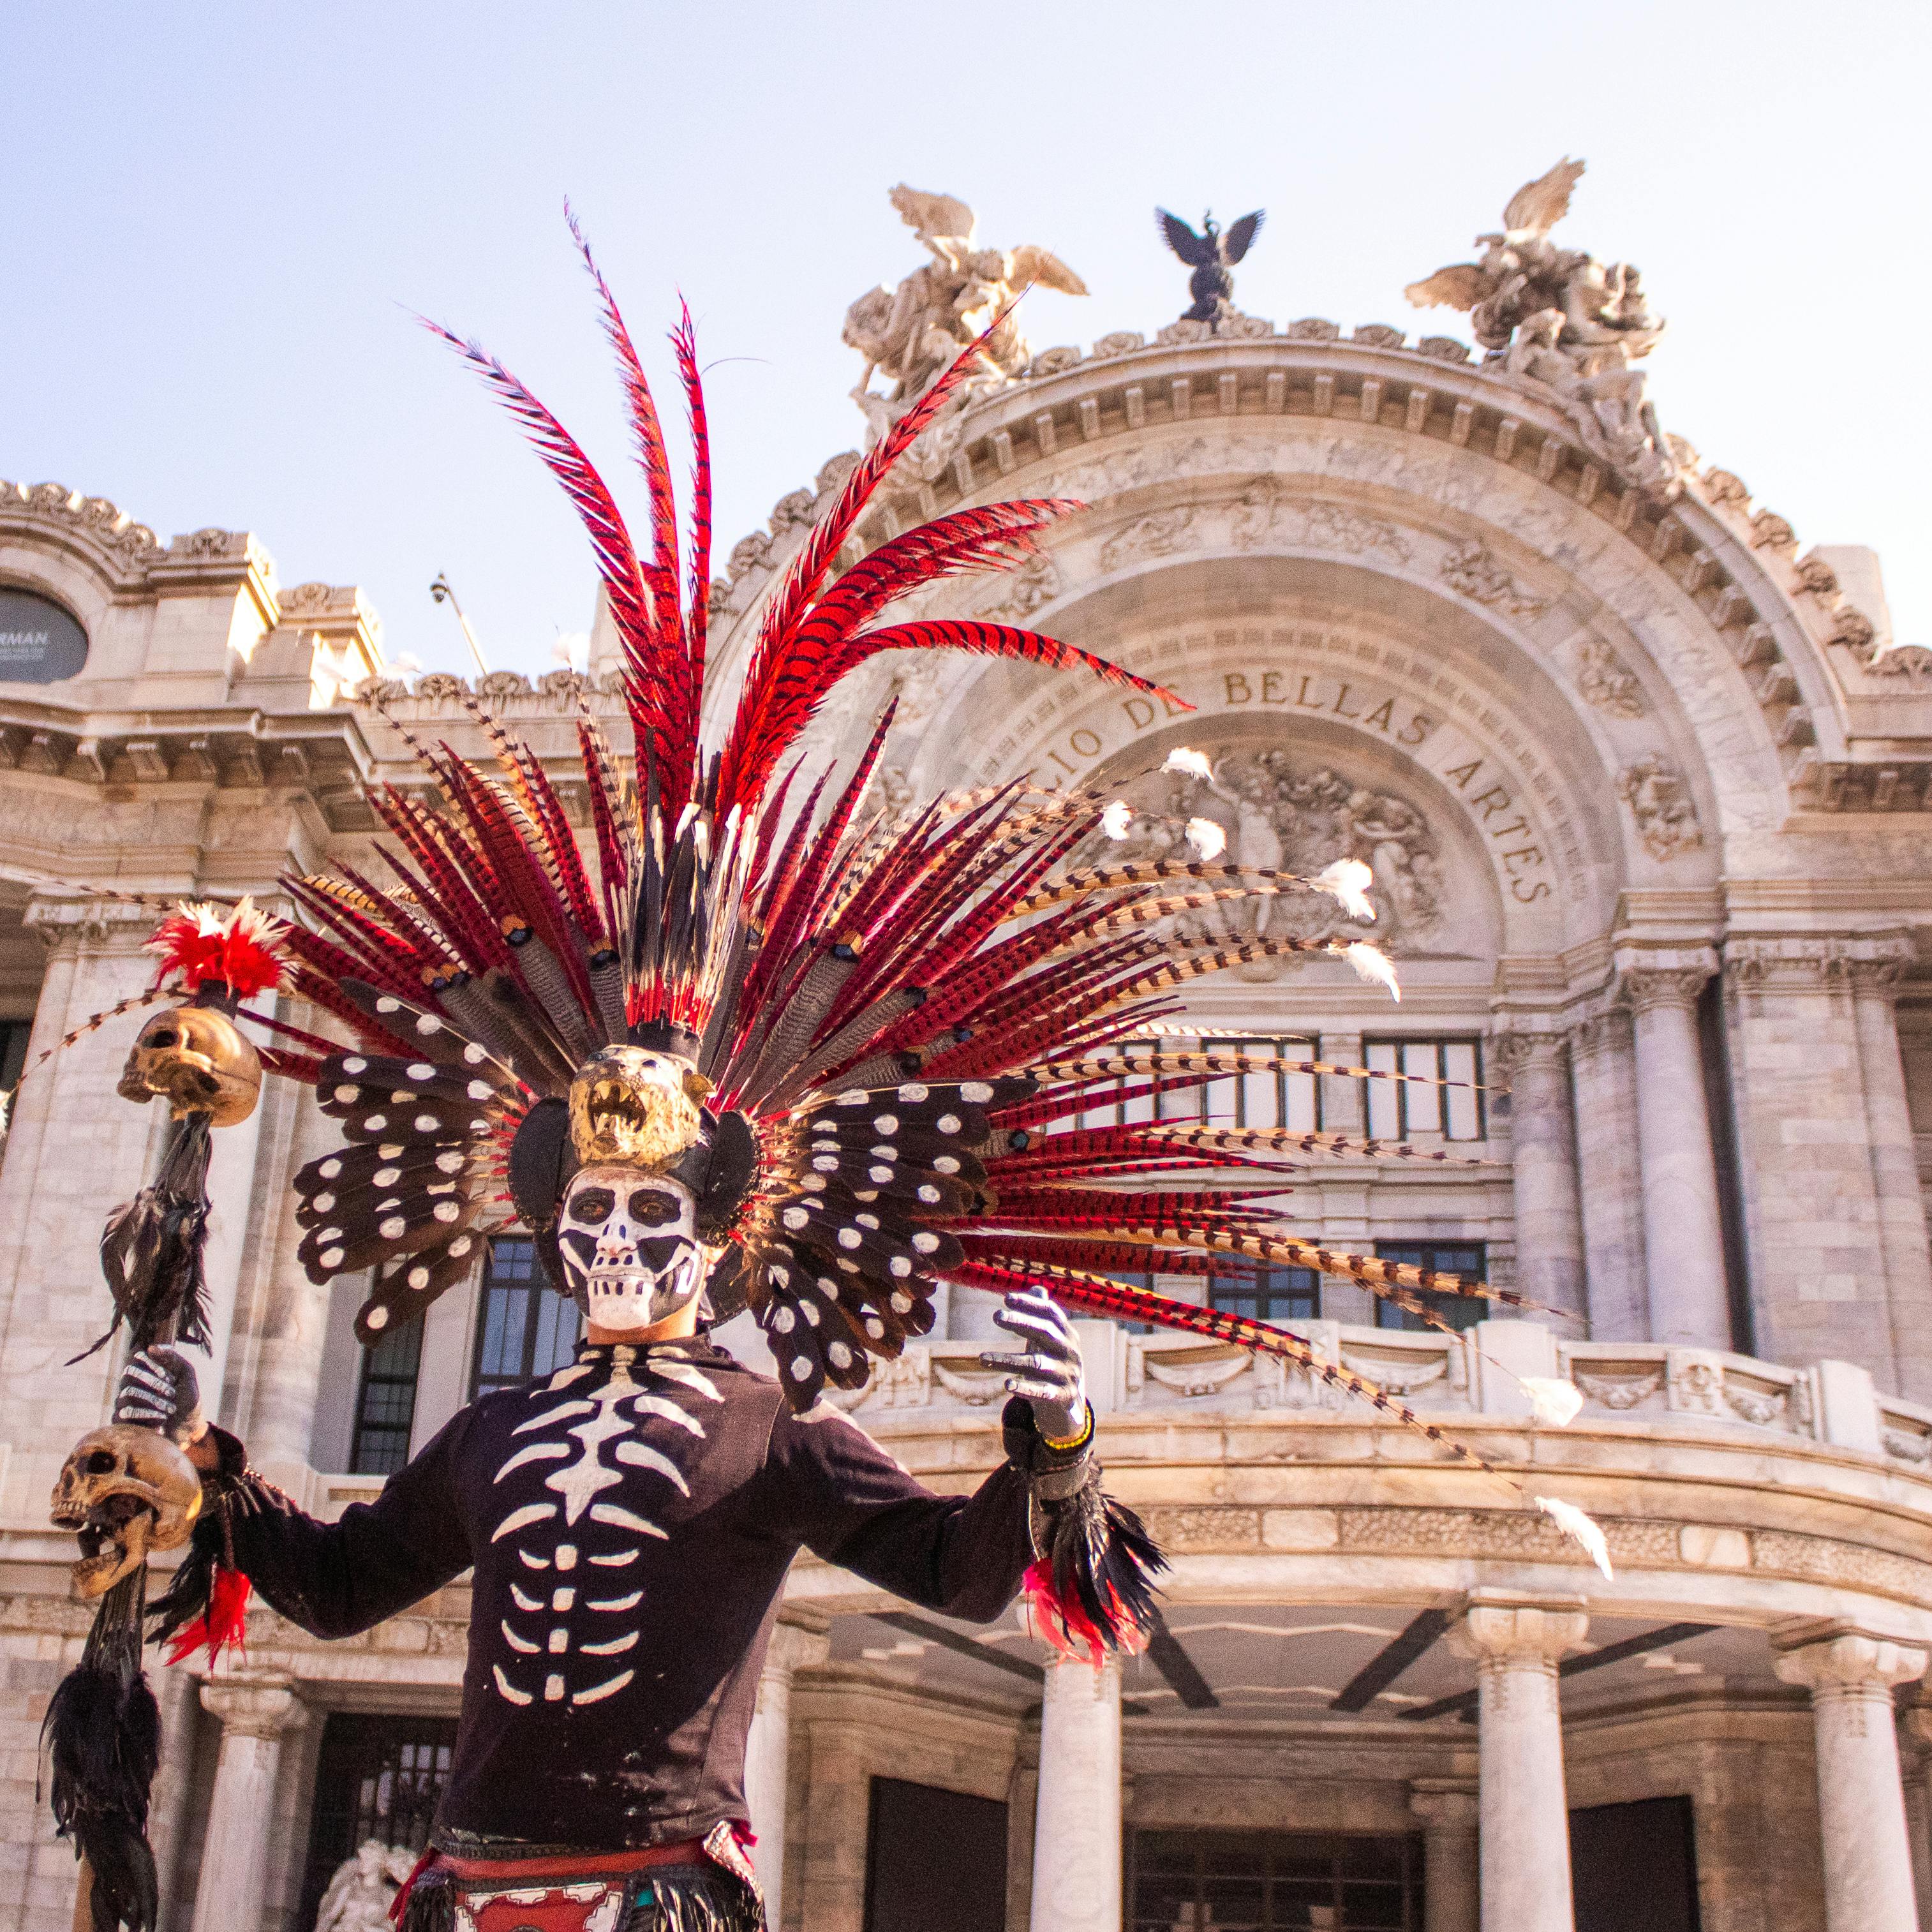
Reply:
x=1435, y=1373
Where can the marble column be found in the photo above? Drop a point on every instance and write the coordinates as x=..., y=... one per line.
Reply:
x=1684, y=1240
x=1516, y=1644
x=1603, y=1102
x=1448, y=1810
x=257, y=1714
x=1543, y=1154
x=1076, y=1843
x=1868, y=1884
x=1872, y=974
x=768, y=1756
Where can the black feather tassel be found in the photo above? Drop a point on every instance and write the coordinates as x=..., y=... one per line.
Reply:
x=152, y=1245
x=1093, y=1591
x=102, y=1737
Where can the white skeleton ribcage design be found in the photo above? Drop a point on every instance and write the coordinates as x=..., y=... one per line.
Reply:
x=577, y=1616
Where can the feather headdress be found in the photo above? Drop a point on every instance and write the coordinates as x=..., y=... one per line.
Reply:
x=895, y=1031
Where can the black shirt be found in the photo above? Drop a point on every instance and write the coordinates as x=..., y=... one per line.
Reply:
x=630, y=1522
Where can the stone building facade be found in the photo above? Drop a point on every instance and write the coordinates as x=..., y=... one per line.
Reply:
x=1647, y=791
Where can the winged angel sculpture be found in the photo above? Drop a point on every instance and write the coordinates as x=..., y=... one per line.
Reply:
x=1559, y=316
x=909, y=334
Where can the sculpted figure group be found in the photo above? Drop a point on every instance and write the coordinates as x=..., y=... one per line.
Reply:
x=1560, y=317
x=909, y=333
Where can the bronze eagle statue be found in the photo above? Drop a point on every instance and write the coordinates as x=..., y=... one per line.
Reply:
x=1210, y=254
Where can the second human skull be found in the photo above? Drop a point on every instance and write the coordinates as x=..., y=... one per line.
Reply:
x=123, y=1491
x=629, y=1241
x=196, y=1057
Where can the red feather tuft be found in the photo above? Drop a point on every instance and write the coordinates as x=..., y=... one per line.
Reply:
x=235, y=947
x=222, y=1626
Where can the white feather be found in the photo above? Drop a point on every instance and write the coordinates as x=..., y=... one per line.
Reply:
x=1372, y=964
x=1194, y=764
x=1552, y=1399
x=1580, y=1528
x=1115, y=820
x=1207, y=839
x=1348, y=880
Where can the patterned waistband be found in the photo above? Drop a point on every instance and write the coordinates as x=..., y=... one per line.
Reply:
x=575, y=1865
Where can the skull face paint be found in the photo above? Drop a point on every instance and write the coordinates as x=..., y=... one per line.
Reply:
x=629, y=1241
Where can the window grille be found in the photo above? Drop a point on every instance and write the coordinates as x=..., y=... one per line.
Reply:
x=1273, y=1882
x=1275, y=1294
x=525, y=1328
x=385, y=1403
x=1262, y=1100
x=1404, y=1110
x=378, y=1778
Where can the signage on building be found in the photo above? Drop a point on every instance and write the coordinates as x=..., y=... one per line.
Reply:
x=40, y=643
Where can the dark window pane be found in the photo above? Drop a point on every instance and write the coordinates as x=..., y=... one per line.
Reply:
x=14, y=1035
x=1274, y=1294
x=526, y=1329
x=935, y=1861
x=1468, y=1259
x=1634, y=1867
x=1272, y=1882
x=386, y=1405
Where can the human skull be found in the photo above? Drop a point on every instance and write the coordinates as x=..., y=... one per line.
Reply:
x=124, y=1492
x=196, y=1058
x=629, y=1241
x=631, y=1103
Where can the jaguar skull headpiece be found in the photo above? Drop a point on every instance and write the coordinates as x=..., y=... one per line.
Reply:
x=632, y=1104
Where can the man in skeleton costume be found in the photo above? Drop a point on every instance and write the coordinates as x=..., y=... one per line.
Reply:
x=753, y=1045
x=629, y=1522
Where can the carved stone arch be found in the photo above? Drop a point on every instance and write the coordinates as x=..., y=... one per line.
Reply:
x=1596, y=578
x=52, y=565
x=1291, y=650
x=90, y=546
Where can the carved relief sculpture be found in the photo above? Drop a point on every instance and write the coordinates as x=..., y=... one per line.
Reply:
x=1660, y=802
x=1277, y=815
x=1606, y=681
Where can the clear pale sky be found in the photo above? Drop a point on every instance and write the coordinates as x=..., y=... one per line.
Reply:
x=217, y=220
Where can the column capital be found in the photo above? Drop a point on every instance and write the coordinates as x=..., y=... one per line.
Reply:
x=1649, y=977
x=253, y=1707
x=63, y=919
x=1841, y=1662
x=1500, y=1631
x=1445, y=1804
x=1514, y=1051
x=1599, y=1023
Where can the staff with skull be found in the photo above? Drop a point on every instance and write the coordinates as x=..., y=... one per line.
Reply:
x=130, y=1490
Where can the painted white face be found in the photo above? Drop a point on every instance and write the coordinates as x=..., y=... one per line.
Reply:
x=629, y=1244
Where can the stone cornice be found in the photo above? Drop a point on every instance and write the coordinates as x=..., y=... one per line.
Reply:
x=128, y=557
x=1064, y=407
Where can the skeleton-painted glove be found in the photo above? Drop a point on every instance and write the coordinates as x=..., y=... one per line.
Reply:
x=1047, y=1372
x=159, y=1390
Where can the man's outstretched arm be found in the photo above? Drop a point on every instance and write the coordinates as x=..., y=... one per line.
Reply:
x=332, y=1579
